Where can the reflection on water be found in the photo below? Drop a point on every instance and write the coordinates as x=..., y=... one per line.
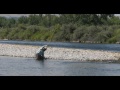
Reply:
x=15, y=66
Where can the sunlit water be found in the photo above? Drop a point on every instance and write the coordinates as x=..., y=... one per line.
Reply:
x=17, y=66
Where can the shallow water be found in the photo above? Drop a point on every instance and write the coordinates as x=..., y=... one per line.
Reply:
x=17, y=66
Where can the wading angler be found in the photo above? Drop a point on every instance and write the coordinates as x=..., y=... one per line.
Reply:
x=40, y=53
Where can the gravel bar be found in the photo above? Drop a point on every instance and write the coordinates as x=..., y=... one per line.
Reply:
x=58, y=53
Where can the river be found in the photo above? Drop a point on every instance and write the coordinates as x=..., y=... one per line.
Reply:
x=19, y=66
x=16, y=66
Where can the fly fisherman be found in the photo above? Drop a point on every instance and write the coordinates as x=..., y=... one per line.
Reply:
x=40, y=52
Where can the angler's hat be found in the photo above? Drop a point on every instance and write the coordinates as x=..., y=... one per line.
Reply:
x=45, y=46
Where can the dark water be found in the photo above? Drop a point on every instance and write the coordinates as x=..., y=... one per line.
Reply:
x=108, y=47
x=15, y=66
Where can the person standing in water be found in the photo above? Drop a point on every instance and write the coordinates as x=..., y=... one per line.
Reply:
x=40, y=52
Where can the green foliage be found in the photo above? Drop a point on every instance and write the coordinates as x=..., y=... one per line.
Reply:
x=78, y=33
x=66, y=32
x=112, y=40
x=3, y=33
x=104, y=28
x=117, y=35
x=23, y=20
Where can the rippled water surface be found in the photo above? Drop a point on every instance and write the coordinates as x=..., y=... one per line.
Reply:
x=17, y=66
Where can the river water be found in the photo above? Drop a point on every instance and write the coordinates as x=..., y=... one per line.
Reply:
x=18, y=66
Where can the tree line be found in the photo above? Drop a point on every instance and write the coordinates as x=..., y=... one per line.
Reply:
x=92, y=28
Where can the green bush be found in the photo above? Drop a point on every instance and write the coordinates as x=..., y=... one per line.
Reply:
x=112, y=40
